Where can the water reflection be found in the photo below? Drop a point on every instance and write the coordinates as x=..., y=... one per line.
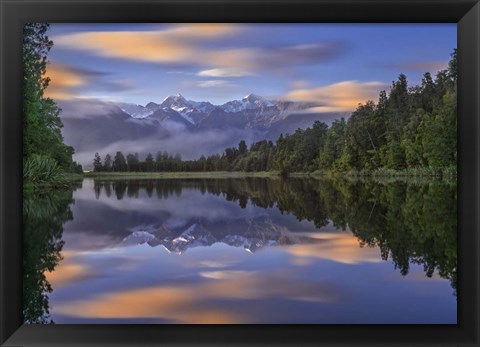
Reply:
x=411, y=223
x=321, y=249
x=44, y=214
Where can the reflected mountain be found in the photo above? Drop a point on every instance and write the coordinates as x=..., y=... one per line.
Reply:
x=412, y=222
x=251, y=234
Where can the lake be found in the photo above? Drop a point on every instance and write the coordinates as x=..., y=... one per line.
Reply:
x=243, y=250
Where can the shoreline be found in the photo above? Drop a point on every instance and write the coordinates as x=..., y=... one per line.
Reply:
x=179, y=174
x=374, y=175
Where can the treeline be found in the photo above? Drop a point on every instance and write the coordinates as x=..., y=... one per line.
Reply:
x=410, y=129
x=45, y=156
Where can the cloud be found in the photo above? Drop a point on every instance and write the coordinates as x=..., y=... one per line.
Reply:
x=215, y=84
x=300, y=84
x=224, y=73
x=185, y=45
x=81, y=108
x=179, y=72
x=68, y=82
x=338, y=97
x=63, y=80
x=161, y=46
x=423, y=66
x=251, y=60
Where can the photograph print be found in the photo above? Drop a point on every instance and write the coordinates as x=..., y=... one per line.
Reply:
x=216, y=173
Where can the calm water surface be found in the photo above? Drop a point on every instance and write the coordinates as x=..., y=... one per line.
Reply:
x=253, y=250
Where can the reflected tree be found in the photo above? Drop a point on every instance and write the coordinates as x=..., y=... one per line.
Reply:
x=44, y=214
x=409, y=221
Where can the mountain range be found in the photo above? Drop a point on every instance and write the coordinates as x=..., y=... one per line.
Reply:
x=137, y=128
x=251, y=112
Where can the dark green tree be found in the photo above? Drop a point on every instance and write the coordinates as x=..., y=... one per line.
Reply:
x=107, y=163
x=41, y=116
x=119, y=162
x=97, y=163
x=149, y=162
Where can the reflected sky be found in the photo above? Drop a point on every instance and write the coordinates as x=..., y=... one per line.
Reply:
x=192, y=253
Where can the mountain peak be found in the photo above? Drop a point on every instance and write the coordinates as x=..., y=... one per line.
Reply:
x=252, y=96
x=174, y=98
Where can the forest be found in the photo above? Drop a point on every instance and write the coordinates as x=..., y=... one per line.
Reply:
x=46, y=158
x=411, y=130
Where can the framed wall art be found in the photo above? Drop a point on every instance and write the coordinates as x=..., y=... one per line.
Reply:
x=239, y=173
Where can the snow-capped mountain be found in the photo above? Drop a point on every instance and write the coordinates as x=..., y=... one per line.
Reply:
x=249, y=102
x=178, y=124
x=253, y=111
x=179, y=104
x=136, y=111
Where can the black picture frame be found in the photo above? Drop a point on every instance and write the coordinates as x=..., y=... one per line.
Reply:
x=14, y=13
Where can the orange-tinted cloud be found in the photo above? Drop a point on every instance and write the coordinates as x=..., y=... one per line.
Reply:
x=67, y=82
x=67, y=274
x=185, y=45
x=174, y=45
x=339, y=247
x=196, y=302
x=63, y=81
x=338, y=97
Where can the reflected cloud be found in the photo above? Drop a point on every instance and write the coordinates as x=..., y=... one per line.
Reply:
x=216, y=263
x=340, y=247
x=307, y=265
x=67, y=274
x=221, y=275
x=197, y=303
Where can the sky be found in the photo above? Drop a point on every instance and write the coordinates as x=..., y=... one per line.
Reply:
x=338, y=65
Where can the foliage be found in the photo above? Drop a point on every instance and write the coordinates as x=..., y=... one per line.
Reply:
x=408, y=132
x=411, y=222
x=38, y=168
x=43, y=216
x=41, y=116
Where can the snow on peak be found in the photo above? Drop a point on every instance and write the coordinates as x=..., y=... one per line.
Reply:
x=190, y=109
x=135, y=111
x=177, y=99
x=251, y=96
x=249, y=102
